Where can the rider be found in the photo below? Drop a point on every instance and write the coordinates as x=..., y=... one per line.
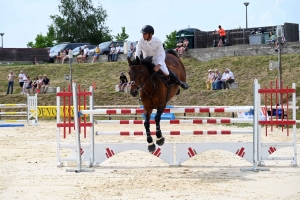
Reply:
x=152, y=46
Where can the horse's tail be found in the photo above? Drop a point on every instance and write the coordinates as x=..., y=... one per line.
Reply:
x=171, y=51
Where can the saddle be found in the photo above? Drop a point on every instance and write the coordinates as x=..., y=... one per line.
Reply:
x=168, y=82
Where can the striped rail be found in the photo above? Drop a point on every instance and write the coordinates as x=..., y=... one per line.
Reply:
x=169, y=110
x=186, y=132
x=176, y=121
x=16, y=105
x=12, y=120
x=13, y=113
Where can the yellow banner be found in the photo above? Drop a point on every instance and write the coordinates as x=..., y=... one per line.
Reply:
x=51, y=111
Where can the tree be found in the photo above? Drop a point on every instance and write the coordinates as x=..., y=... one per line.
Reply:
x=170, y=43
x=43, y=41
x=123, y=36
x=80, y=22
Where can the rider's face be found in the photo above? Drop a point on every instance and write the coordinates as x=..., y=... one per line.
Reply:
x=146, y=36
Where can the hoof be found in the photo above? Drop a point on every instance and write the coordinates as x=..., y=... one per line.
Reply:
x=160, y=141
x=151, y=147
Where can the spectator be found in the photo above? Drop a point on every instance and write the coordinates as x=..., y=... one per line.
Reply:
x=227, y=78
x=111, y=55
x=80, y=55
x=45, y=85
x=123, y=82
x=134, y=50
x=117, y=52
x=282, y=42
x=28, y=85
x=185, y=46
x=178, y=46
x=66, y=56
x=272, y=38
x=85, y=53
x=25, y=80
x=131, y=49
x=34, y=84
x=10, y=77
x=222, y=33
x=34, y=61
x=60, y=56
x=209, y=80
x=97, y=54
x=216, y=84
x=39, y=83
x=21, y=82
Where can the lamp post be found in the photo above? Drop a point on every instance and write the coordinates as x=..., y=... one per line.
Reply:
x=246, y=4
x=2, y=45
x=279, y=38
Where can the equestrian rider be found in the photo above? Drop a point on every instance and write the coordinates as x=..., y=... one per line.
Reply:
x=152, y=46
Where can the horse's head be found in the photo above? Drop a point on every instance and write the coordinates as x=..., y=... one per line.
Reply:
x=138, y=74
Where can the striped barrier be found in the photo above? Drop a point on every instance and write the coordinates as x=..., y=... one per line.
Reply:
x=31, y=112
x=255, y=152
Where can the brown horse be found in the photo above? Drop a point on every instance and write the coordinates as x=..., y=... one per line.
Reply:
x=153, y=91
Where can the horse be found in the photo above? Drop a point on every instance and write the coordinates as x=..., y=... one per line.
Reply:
x=154, y=93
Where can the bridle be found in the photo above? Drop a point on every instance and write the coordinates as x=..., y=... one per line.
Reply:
x=140, y=87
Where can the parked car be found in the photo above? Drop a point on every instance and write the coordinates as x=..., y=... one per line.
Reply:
x=105, y=47
x=76, y=50
x=54, y=51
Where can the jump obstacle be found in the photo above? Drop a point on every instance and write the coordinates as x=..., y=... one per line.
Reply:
x=31, y=112
x=255, y=152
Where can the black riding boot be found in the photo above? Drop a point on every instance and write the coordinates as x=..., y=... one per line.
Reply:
x=176, y=79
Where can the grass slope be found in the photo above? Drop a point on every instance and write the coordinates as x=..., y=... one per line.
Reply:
x=106, y=76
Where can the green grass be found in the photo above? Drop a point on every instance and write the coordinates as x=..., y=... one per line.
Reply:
x=106, y=76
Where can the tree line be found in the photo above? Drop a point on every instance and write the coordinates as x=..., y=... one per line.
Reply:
x=80, y=21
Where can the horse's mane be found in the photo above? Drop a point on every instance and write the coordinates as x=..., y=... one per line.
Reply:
x=147, y=62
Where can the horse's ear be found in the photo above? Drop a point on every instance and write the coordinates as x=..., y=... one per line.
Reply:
x=138, y=60
x=129, y=61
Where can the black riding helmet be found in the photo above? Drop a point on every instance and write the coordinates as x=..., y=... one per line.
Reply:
x=147, y=29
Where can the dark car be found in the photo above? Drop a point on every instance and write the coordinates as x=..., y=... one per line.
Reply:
x=54, y=51
x=105, y=47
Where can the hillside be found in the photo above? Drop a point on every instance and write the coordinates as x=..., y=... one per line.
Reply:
x=106, y=77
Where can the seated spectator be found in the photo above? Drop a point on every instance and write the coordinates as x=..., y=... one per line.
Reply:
x=272, y=38
x=117, y=52
x=227, y=78
x=131, y=49
x=34, y=61
x=34, y=85
x=85, y=53
x=185, y=46
x=111, y=55
x=178, y=46
x=209, y=80
x=123, y=82
x=80, y=55
x=66, y=56
x=28, y=85
x=216, y=84
x=60, y=56
x=45, y=85
x=282, y=42
x=39, y=83
x=97, y=54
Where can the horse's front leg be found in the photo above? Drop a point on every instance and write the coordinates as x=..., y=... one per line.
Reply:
x=160, y=140
x=151, y=145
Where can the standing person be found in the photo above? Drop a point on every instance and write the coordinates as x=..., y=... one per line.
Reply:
x=209, y=79
x=21, y=82
x=123, y=82
x=10, y=77
x=25, y=80
x=46, y=84
x=152, y=46
x=222, y=33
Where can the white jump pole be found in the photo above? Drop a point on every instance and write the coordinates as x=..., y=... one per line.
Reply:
x=77, y=132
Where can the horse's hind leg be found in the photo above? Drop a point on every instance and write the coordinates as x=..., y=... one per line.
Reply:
x=160, y=140
x=151, y=145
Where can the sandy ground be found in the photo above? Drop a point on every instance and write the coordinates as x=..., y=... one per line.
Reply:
x=28, y=170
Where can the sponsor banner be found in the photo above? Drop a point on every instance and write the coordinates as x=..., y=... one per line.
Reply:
x=249, y=115
x=51, y=111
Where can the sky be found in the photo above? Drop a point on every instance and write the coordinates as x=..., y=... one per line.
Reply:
x=21, y=21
